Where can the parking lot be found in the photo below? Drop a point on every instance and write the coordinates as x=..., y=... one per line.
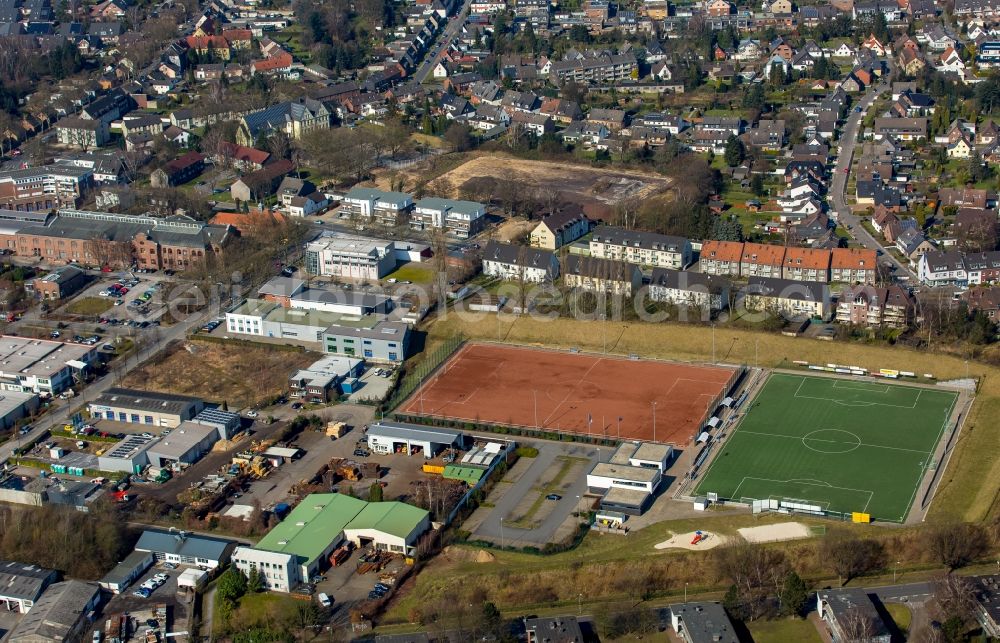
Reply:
x=375, y=385
x=346, y=587
x=125, y=297
x=534, y=503
x=141, y=608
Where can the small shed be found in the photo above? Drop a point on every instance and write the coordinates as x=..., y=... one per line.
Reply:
x=700, y=503
x=192, y=579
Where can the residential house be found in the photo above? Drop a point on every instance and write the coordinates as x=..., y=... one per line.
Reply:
x=685, y=288
x=559, y=229
x=178, y=171
x=721, y=258
x=519, y=263
x=601, y=275
x=641, y=248
x=73, y=131
x=295, y=118
x=902, y=129
x=913, y=245
x=762, y=260
x=260, y=183
x=942, y=268
x=461, y=219
x=806, y=264
x=793, y=299
x=866, y=305
x=846, y=611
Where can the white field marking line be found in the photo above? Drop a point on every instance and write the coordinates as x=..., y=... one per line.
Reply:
x=860, y=444
x=793, y=481
x=571, y=391
x=456, y=401
x=859, y=386
x=853, y=403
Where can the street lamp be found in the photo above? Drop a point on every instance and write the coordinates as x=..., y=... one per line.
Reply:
x=894, y=572
x=654, y=421
x=685, y=593
x=501, y=532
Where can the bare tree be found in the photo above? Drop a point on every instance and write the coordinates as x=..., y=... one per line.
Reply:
x=956, y=545
x=856, y=626
x=850, y=556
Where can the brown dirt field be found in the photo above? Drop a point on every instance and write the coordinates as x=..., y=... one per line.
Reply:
x=595, y=187
x=239, y=375
x=514, y=230
x=573, y=393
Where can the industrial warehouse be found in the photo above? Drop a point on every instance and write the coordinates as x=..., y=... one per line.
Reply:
x=297, y=548
x=145, y=407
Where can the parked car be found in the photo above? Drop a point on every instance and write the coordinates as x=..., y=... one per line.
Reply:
x=252, y=414
x=553, y=496
x=142, y=592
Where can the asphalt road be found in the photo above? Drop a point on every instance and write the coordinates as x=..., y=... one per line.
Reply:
x=452, y=30
x=838, y=187
x=57, y=416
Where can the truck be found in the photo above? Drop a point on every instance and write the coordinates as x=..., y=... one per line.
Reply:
x=339, y=555
x=116, y=629
x=336, y=430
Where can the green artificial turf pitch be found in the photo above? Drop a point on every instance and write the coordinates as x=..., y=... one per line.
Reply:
x=838, y=444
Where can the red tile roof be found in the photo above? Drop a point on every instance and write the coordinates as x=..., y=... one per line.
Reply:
x=762, y=254
x=811, y=258
x=853, y=259
x=722, y=250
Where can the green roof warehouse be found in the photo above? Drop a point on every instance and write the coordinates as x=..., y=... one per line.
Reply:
x=296, y=548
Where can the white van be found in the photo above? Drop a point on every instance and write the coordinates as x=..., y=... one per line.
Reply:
x=324, y=600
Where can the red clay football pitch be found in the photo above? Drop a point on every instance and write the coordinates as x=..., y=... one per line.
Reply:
x=572, y=392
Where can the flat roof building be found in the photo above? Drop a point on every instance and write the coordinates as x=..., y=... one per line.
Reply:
x=390, y=437
x=556, y=629
x=129, y=455
x=15, y=405
x=127, y=571
x=185, y=445
x=350, y=256
x=226, y=423
x=42, y=366
x=384, y=341
x=643, y=454
x=323, y=378
x=145, y=407
x=627, y=487
x=702, y=623
x=292, y=552
x=60, y=615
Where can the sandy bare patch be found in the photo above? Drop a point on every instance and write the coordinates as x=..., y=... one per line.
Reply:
x=460, y=555
x=683, y=541
x=775, y=532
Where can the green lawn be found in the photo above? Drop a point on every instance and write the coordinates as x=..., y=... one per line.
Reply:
x=901, y=616
x=839, y=444
x=265, y=609
x=415, y=272
x=90, y=306
x=783, y=630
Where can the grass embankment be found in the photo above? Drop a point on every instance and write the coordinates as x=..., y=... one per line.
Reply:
x=783, y=630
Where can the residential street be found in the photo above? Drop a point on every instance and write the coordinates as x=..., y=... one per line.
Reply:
x=453, y=29
x=838, y=187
